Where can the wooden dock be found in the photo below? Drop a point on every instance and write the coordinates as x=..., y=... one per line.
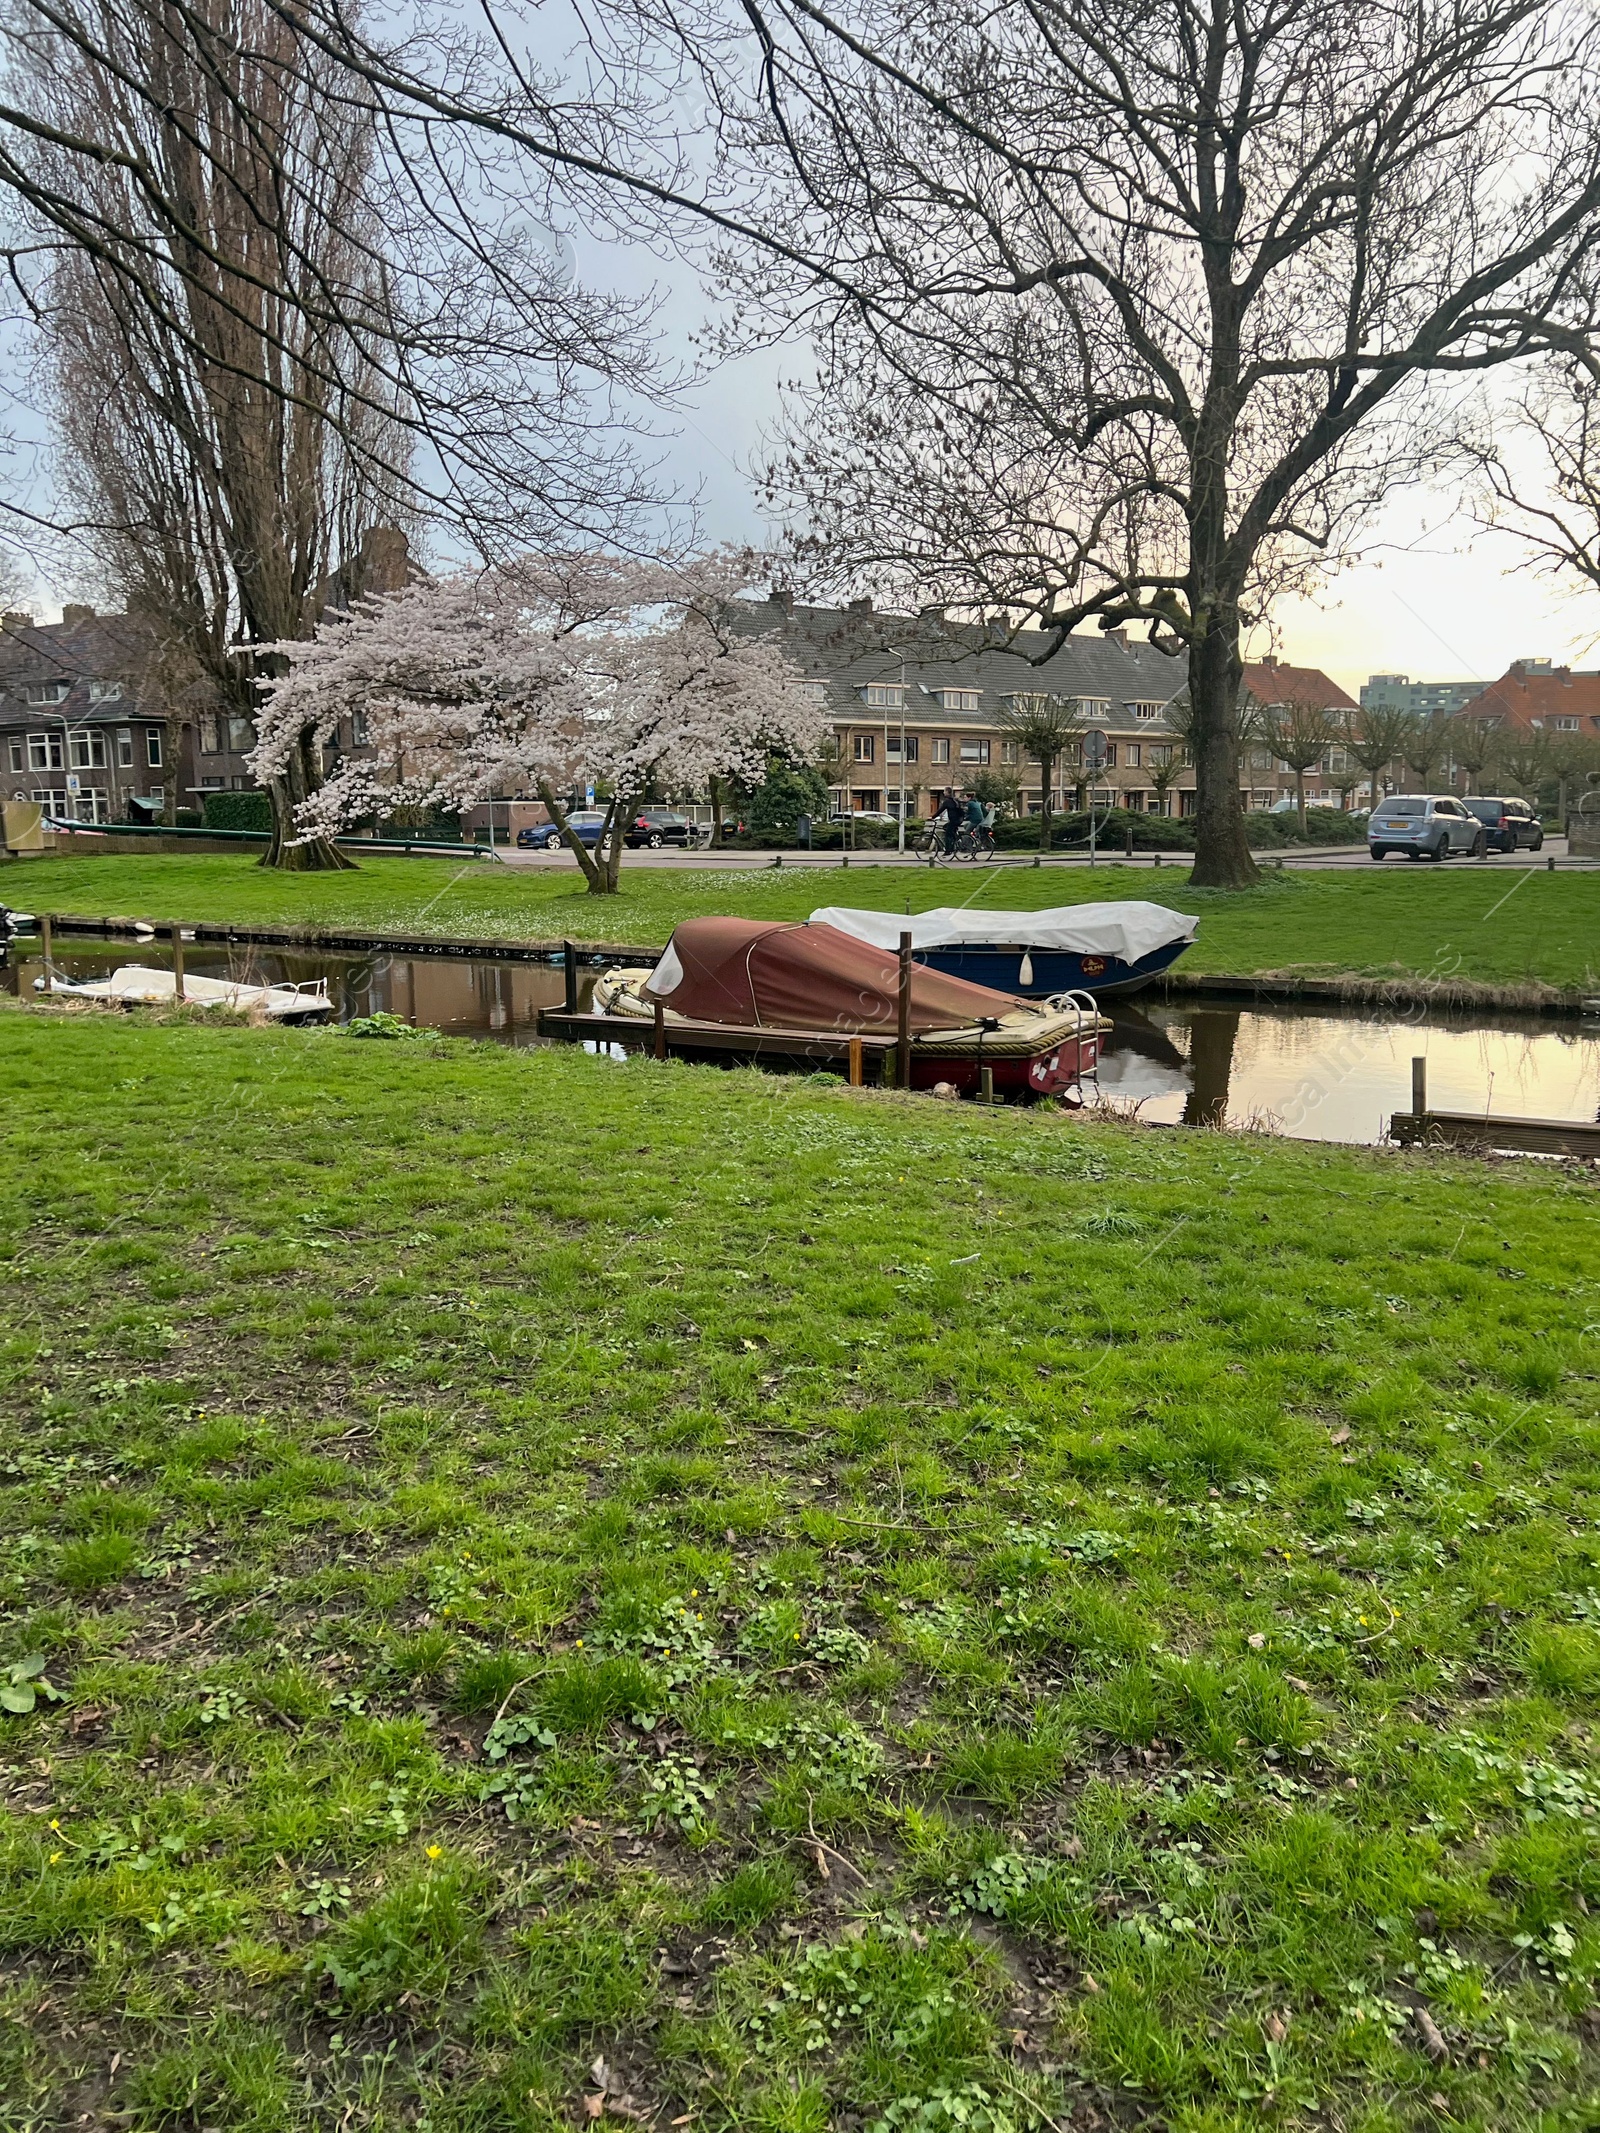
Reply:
x=862, y=1059
x=1421, y=1127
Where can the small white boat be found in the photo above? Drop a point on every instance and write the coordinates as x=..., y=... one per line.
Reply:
x=134, y=986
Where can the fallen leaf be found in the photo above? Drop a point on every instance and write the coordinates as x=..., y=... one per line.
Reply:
x=1432, y=2042
x=593, y=2106
x=1276, y=2027
x=1341, y=1435
x=1255, y=1640
x=1295, y=1682
x=824, y=1871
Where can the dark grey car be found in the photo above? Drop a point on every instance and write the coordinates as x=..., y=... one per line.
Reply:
x=1424, y=826
x=1507, y=823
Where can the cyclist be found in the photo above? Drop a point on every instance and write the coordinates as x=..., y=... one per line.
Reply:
x=953, y=809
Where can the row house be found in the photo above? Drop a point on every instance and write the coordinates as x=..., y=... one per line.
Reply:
x=1538, y=697
x=1273, y=686
x=916, y=703
x=85, y=729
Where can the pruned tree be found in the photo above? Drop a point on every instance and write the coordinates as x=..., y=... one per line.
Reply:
x=1044, y=729
x=1574, y=765
x=1522, y=758
x=551, y=671
x=1424, y=745
x=1299, y=733
x=1376, y=742
x=1471, y=745
x=1166, y=763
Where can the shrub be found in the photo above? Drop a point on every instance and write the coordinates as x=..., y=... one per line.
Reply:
x=238, y=811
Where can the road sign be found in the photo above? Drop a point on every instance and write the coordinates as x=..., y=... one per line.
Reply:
x=1094, y=749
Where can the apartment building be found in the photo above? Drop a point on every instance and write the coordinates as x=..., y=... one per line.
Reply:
x=916, y=702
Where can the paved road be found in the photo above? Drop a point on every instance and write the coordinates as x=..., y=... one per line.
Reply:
x=1327, y=856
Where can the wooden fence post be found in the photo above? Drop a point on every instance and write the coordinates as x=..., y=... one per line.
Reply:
x=660, y=1046
x=177, y=962
x=856, y=1074
x=903, y=1028
x=1419, y=1086
x=569, y=977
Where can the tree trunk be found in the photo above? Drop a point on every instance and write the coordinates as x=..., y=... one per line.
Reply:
x=716, y=811
x=1300, y=800
x=1047, y=774
x=1222, y=850
x=317, y=855
x=592, y=870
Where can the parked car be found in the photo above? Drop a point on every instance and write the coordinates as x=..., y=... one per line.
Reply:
x=1508, y=823
x=545, y=837
x=656, y=826
x=865, y=814
x=1424, y=826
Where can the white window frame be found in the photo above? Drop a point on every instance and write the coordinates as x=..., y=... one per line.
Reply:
x=46, y=751
x=86, y=748
x=961, y=699
x=974, y=751
x=46, y=692
x=891, y=751
x=883, y=695
x=1145, y=711
x=18, y=749
x=152, y=747
x=104, y=692
x=939, y=748
x=124, y=747
x=866, y=748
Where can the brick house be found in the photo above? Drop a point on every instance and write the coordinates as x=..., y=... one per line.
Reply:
x=1272, y=685
x=85, y=726
x=1535, y=695
x=942, y=685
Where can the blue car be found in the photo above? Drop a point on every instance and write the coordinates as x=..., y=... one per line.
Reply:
x=545, y=837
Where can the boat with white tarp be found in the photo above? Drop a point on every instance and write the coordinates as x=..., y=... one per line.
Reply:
x=1102, y=949
x=133, y=985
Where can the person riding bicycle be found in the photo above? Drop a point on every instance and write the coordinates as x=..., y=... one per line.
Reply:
x=974, y=812
x=953, y=809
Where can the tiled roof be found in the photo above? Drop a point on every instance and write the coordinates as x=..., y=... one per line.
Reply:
x=849, y=649
x=1530, y=697
x=107, y=648
x=1274, y=681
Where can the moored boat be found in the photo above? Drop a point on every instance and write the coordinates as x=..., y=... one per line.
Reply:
x=1105, y=949
x=804, y=990
x=132, y=985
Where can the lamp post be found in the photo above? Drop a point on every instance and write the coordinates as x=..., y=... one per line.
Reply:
x=900, y=840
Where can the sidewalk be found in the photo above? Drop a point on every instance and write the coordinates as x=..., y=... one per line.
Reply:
x=1295, y=856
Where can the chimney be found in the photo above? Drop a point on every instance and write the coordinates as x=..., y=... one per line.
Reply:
x=1118, y=637
x=782, y=596
x=74, y=614
x=859, y=607
x=931, y=614
x=16, y=618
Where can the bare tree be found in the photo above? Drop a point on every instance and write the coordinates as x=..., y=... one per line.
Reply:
x=1044, y=728
x=1129, y=310
x=1424, y=745
x=1166, y=763
x=1471, y=744
x=1299, y=733
x=1376, y=741
x=1522, y=757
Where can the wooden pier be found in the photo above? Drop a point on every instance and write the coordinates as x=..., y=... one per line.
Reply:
x=1421, y=1127
x=860, y=1059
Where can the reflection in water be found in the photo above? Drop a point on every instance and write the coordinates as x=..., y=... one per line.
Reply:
x=1319, y=1076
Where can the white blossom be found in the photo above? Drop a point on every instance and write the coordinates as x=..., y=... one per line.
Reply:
x=553, y=672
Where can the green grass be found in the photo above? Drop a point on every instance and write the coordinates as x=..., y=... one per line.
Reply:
x=1494, y=926
x=854, y=1612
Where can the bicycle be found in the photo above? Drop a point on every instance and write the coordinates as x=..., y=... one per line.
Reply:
x=974, y=842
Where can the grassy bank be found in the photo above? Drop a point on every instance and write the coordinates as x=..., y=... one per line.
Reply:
x=1480, y=925
x=852, y=1613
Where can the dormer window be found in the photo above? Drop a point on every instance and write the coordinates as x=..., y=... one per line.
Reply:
x=1145, y=711
x=958, y=699
x=104, y=692
x=815, y=692
x=47, y=692
x=884, y=695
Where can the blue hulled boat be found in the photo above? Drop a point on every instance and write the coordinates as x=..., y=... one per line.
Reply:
x=1103, y=949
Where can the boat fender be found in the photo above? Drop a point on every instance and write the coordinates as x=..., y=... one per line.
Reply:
x=1025, y=969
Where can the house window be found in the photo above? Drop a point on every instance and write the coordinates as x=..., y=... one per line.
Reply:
x=46, y=751
x=241, y=735
x=974, y=750
x=47, y=692
x=125, y=747
x=361, y=733
x=210, y=734
x=1336, y=759
x=892, y=752
x=1144, y=711
x=867, y=801
x=104, y=692
x=152, y=746
x=1094, y=707
x=866, y=747
x=1111, y=755
x=939, y=749
x=90, y=803
x=1010, y=752
x=18, y=752
x=86, y=749
x=53, y=803
x=884, y=696
x=1131, y=757
x=1566, y=725
x=213, y=784
x=959, y=699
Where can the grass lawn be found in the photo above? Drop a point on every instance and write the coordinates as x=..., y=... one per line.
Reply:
x=854, y=1613
x=1492, y=926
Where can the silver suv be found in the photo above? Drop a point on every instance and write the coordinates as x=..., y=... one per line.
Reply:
x=1424, y=826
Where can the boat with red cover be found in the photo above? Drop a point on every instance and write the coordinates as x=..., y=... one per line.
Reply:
x=820, y=987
